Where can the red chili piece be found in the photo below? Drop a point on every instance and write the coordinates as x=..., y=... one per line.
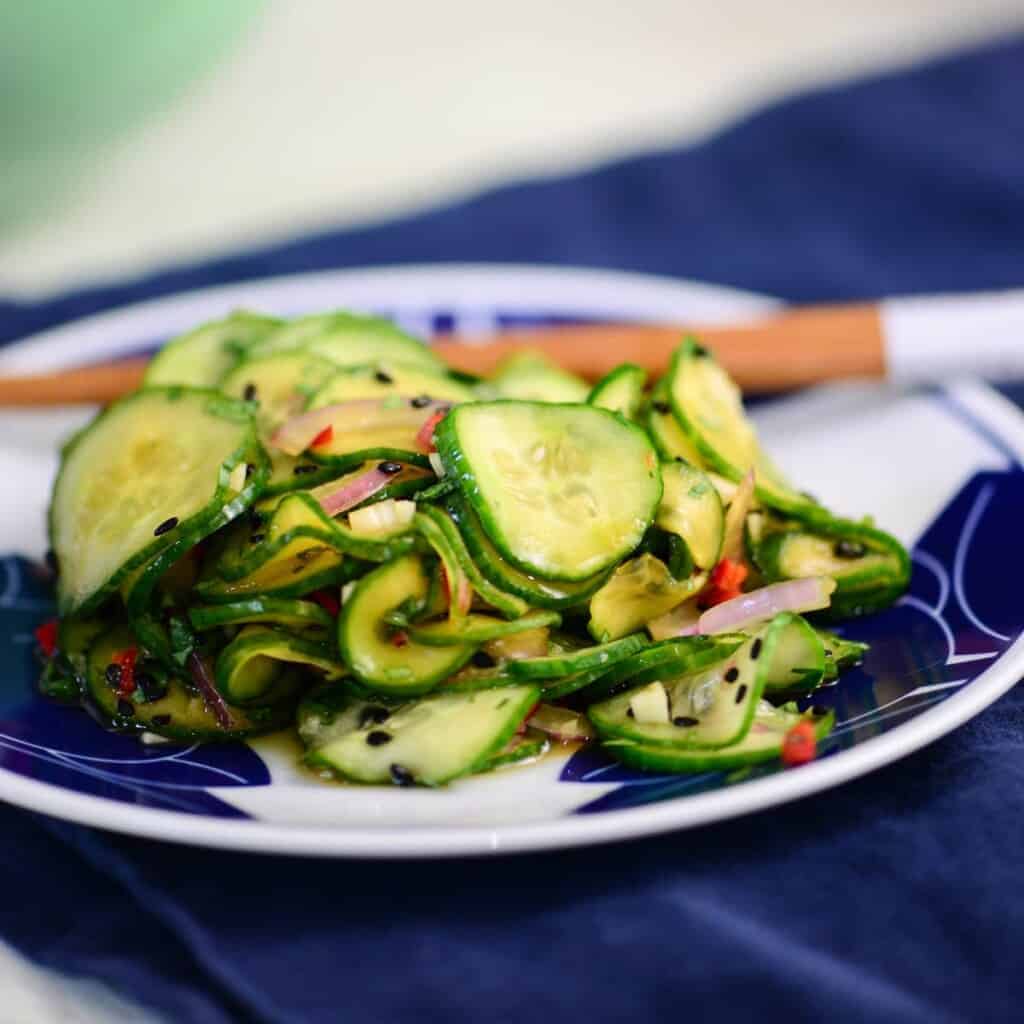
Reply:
x=799, y=745
x=327, y=600
x=46, y=637
x=425, y=436
x=324, y=437
x=126, y=660
x=726, y=582
x=399, y=638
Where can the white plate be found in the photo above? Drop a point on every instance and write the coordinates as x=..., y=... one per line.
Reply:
x=941, y=469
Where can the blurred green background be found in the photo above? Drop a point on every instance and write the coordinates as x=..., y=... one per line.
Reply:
x=75, y=74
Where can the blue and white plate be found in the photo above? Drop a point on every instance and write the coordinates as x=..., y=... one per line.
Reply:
x=941, y=469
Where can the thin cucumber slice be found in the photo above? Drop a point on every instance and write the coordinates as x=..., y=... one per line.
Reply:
x=331, y=710
x=537, y=592
x=429, y=741
x=640, y=589
x=621, y=390
x=276, y=610
x=280, y=384
x=871, y=568
x=709, y=409
x=478, y=629
x=530, y=376
x=562, y=491
x=666, y=659
x=153, y=468
x=797, y=662
x=180, y=713
x=691, y=508
x=472, y=677
x=200, y=358
x=459, y=591
x=381, y=379
x=349, y=339
x=711, y=707
x=508, y=604
x=367, y=645
x=668, y=438
x=840, y=654
x=570, y=662
x=763, y=742
x=249, y=668
x=522, y=747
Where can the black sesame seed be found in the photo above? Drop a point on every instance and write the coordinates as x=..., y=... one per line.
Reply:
x=373, y=714
x=819, y=710
x=629, y=713
x=125, y=708
x=303, y=468
x=256, y=538
x=420, y=401
x=249, y=394
x=481, y=659
x=152, y=688
x=684, y=721
x=732, y=675
x=113, y=675
x=161, y=720
x=849, y=549
x=391, y=468
x=401, y=776
x=741, y=693
x=378, y=738
x=755, y=649
x=662, y=407
x=166, y=526
x=383, y=377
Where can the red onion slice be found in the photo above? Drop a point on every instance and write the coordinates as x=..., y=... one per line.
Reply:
x=295, y=435
x=351, y=493
x=806, y=595
x=199, y=671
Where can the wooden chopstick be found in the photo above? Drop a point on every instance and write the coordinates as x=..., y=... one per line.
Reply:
x=789, y=349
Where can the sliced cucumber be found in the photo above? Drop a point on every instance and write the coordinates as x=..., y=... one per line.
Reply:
x=281, y=384
x=367, y=643
x=665, y=659
x=563, y=491
x=456, y=581
x=478, y=629
x=348, y=339
x=537, y=592
x=331, y=710
x=276, y=610
x=711, y=707
x=249, y=669
x=531, y=377
x=180, y=713
x=508, y=604
x=762, y=742
x=152, y=469
x=621, y=390
x=871, y=568
x=567, y=663
x=201, y=357
x=429, y=741
x=389, y=378
x=640, y=589
x=669, y=439
x=709, y=409
x=691, y=508
x=526, y=746
x=797, y=662
x=840, y=654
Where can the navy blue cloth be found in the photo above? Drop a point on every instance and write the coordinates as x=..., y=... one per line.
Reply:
x=893, y=898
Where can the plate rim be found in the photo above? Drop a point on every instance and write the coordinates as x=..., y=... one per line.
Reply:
x=403, y=842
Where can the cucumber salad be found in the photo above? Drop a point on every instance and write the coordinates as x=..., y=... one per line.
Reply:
x=315, y=525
